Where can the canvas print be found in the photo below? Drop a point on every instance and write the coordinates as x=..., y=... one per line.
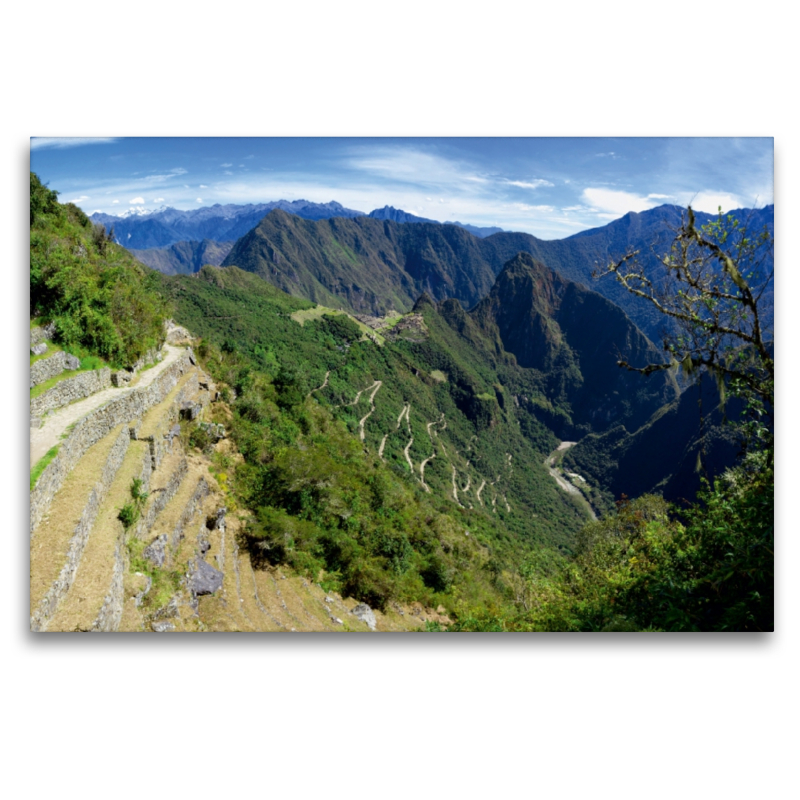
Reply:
x=401, y=385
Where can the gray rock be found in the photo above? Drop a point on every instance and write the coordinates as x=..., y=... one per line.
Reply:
x=217, y=520
x=337, y=620
x=156, y=551
x=214, y=430
x=121, y=377
x=162, y=627
x=190, y=411
x=169, y=611
x=38, y=349
x=363, y=612
x=71, y=362
x=204, y=578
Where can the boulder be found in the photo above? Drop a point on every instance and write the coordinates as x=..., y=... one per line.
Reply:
x=121, y=377
x=217, y=520
x=190, y=411
x=162, y=627
x=156, y=551
x=38, y=349
x=204, y=579
x=363, y=612
x=71, y=362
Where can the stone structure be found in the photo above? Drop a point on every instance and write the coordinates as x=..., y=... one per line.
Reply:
x=71, y=389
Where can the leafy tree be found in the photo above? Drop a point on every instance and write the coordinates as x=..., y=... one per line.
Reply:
x=716, y=276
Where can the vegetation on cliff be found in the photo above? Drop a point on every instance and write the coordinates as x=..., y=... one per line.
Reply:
x=100, y=299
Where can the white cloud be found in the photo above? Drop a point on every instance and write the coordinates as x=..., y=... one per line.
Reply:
x=710, y=202
x=199, y=199
x=78, y=199
x=155, y=200
x=532, y=184
x=203, y=186
x=226, y=165
x=526, y=207
x=616, y=202
x=114, y=202
x=178, y=171
x=659, y=196
x=228, y=173
x=137, y=201
x=60, y=142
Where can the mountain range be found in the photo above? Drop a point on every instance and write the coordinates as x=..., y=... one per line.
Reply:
x=442, y=262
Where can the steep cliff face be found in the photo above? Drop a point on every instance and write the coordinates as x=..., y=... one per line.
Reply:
x=575, y=337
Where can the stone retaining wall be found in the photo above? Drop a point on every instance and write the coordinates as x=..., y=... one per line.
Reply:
x=40, y=334
x=195, y=502
x=79, y=538
x=160, y=501
x=71, y=389
x=47, y=368
x=110, y=614
x=94, y=426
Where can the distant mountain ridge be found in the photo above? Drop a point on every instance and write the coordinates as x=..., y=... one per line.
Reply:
x=398, y=215
x=219, y=223
x=368, y=265
x=184, y=258
x=138, y=228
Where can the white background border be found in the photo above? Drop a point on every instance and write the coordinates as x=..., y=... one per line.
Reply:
x=427, y=716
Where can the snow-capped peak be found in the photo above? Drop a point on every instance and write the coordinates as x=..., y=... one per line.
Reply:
x=140, y=211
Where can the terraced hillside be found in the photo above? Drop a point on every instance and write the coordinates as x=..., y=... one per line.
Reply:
x=175, y=562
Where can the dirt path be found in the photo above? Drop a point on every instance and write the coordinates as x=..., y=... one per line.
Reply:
x=54, y=425
x=375, y=386
x=324, y=384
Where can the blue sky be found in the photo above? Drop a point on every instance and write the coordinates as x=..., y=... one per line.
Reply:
x=550, y=187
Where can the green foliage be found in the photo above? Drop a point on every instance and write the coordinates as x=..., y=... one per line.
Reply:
x=99, y=298
x=41, y=464
x=130, y=512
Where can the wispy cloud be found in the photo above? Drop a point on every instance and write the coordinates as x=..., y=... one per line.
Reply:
x=226, y=165
x=536, y=183
x=165, y=176
x=78, y=199
x=136, y=201
x=199, y=199
x=60, y=142
x=155, y=200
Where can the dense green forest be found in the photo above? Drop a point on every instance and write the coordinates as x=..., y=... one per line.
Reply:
x=102, y=301
x=405, y=458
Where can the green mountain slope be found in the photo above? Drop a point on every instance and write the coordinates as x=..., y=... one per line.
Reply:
x=365, y=265
x=99, y=298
